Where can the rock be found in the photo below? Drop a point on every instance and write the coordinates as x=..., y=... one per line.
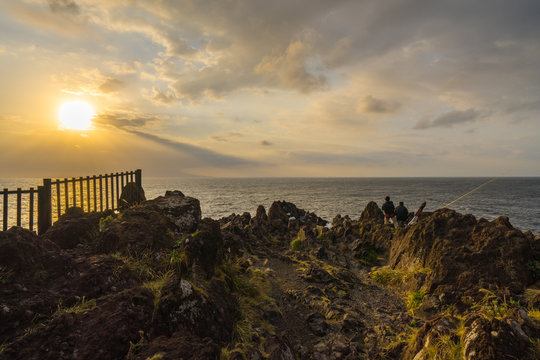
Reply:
x=132, y=194
x=317, y=324
x=139, y=229
x=184, y=211
x=372, y=212
x=183, y=309
x=22, y=253
x=494, y=339
x=279, y=348
x=76, y=227
x=316, y=274
x=463, y=254
x=103, y=331
x=204, y=249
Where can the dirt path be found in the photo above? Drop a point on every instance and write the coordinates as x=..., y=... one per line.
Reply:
x=343, y=316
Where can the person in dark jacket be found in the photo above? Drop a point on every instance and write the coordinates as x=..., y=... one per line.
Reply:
x=388, y=209
x=401, y=214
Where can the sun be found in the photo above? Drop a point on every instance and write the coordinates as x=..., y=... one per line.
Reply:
x=76, y=115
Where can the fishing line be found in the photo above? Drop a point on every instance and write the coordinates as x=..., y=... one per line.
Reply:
x=470, y=192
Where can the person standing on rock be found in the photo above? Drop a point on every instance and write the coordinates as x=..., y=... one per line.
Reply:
x=401, y=214
x=388, y=209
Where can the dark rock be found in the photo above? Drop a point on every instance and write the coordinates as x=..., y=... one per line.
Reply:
x=138, y=230
x=495, y=339
x=76, y=227
x=204, y=249
x=22, y=253
x=316, y=274
x=132, y=194
x=184, y=308
x=279, y=348
x=185, y=212
x=372, y=212
x=464, y=255
x=317, y=324
x=101, y=332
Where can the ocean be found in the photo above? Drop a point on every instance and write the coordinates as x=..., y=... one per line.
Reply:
x=517, y=198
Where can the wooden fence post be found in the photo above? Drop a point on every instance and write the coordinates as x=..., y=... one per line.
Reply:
x=138, y=177
x=44, y=206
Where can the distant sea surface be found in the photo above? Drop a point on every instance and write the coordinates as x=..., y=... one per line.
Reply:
x=517, y=198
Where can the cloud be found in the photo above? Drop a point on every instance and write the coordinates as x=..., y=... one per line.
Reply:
x=67, y=7
x=137, y=124
x=126, y=121
x=265, y=143
x=289, y=69
x=206, y=157
x=449, y=119
x=111, y=85
x=228, y=136
x=163, y=97
x=377, y=106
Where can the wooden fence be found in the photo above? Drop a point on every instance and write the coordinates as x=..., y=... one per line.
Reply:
x=54, y=197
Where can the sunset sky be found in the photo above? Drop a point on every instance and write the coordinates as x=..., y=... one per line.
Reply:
x=271, y=88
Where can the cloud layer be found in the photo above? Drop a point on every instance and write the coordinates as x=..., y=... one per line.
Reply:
x=287, y=84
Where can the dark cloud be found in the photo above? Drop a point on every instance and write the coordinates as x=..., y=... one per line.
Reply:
x=164, y=97
x=225, y=137
x=449, y=119
x=204, y=156
x=265, y=143
x=125, y=121
x=111, y=85
x=135, y=124
x=378, y=106
x=68, y=7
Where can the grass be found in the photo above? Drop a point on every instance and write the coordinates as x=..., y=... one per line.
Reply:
x=394, y=277
x=445, y=347
x=492, y=306
x=251, y=291
x=83, y=306
x=414, y=299
x=298, y=243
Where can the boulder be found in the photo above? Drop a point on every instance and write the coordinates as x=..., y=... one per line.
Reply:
x=463, y=254
x=184, y=211
x=372, y=212
x=75, y=227
x=132, y=194
x=204, y=249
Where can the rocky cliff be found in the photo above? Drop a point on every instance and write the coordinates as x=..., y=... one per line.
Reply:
x=156, y=281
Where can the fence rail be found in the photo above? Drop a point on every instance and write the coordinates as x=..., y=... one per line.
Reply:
x=53, y=197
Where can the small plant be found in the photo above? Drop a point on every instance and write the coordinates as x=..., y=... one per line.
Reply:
x=414, y=300
x=491, y=306
x=106, y=222
x=445, y=347
x=387, y=276
x=296, y=244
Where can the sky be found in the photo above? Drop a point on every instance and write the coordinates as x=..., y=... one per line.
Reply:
x=258, y=88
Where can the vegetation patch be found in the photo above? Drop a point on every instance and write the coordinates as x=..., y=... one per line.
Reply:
x=492, y=306
x=414, y=299
x=393, y=277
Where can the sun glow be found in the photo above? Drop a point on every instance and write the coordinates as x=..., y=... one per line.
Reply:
x=76, y=115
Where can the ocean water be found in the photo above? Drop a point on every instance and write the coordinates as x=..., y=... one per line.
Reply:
x=517, y=198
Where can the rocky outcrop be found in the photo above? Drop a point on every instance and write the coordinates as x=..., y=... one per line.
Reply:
x=155, y=281
x=75, y=227
x=372, y=212
x=463, y=254
x=184, y=211
x=132, y=194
